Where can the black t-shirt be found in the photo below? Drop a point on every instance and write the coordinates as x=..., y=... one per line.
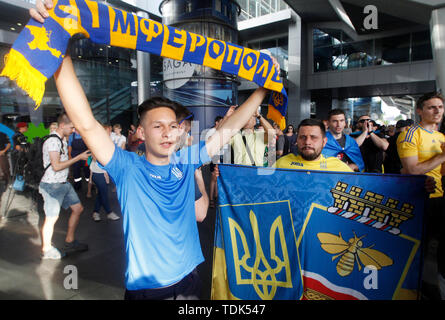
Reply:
x=289, y=144
x=4, y=140
x=342, y=156
x=372, y=155
x=392, y=161
x=19, y=139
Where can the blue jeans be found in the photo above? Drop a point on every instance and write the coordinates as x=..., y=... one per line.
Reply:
x=102, y=197
x=56, y=195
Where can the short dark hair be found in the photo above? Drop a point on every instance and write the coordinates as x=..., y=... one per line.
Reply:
x=157, y=102
x=428, y=96
x=183, y=113
x=218, y=118
x=313, y=123
x=63, y=118
x=290, y=125
x=335, y=112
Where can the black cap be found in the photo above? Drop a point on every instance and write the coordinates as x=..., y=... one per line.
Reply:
x=401, y=124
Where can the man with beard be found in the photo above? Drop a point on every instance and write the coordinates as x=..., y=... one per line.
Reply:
x=311, y=139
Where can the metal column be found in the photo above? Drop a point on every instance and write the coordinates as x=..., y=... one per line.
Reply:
x=437, y=27
x=143, y=70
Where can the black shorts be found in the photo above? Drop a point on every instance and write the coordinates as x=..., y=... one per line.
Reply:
x=189, y=288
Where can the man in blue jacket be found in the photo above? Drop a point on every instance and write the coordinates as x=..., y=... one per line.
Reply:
x=341, y=145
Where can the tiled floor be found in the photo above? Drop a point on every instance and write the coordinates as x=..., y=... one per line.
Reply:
x=100, y=270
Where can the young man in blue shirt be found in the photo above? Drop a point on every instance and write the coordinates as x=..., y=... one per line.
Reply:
x=156, y=191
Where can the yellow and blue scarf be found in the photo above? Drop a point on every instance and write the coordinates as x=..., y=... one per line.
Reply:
x=38, y=51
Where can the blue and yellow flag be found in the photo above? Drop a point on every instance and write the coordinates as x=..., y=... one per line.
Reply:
x=38, y=52
x=294, y=234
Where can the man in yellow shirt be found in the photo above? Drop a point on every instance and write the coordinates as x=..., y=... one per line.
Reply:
x=311, y=139
x=422, y=151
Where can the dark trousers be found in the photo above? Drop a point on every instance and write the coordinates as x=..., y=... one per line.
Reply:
x=435, y=229
x=102, y=196
x=4, y=165
x=77, y=173
x=187, y=289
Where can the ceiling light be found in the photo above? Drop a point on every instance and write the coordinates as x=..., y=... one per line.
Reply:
x=19, y=24
x=12, y=28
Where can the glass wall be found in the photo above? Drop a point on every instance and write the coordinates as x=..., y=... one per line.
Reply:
x=175, y=12
x=383, y=110
x=205, y=91
x=257, y=8
x=278, y=48
x=334, y=50
x=107, y=74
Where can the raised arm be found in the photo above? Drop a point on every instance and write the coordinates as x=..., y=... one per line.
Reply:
x=74, y=100
x=361, y=138
x=78, y=109
x=381, y=143
x=269, y=131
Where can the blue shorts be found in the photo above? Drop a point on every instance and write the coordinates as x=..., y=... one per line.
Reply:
x=56, y=195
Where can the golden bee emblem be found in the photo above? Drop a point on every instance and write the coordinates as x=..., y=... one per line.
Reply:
x=351, y=252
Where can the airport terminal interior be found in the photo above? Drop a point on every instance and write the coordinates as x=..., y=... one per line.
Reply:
x=365, y=57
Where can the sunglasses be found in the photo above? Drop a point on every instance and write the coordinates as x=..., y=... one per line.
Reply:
x=364, y=120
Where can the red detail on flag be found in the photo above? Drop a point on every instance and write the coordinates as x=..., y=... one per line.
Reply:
x=315, y=285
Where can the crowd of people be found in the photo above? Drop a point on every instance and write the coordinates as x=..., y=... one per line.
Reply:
x=406, y=148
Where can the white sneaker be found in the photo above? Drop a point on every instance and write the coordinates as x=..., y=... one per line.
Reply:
x=52, y=254
x=96, y=216
x=113, y=216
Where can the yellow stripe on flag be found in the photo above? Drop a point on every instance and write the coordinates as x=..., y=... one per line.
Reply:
x=220, y=284
x=18, y=69
x=277, y=117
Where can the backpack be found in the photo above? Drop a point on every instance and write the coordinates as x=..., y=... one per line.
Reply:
x=35, y=170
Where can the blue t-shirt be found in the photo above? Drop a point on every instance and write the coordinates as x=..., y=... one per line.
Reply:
x=158, y=207
x=73, y=136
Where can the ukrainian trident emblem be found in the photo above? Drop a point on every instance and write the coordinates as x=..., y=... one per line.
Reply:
x=265, y=274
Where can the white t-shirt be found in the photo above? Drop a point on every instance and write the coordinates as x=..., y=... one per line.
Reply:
x=224, y=150
x=95, y=168
x=118, y=140
x=50, y=145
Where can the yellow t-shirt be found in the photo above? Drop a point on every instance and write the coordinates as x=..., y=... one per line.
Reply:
x=424, y=144
x=292, y=161
x=257, y=147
